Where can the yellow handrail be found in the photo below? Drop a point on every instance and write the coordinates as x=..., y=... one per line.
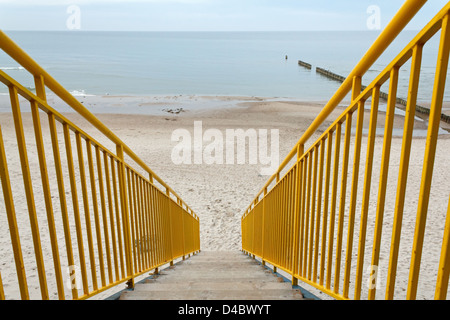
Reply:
x=304, y=215
x=395, y=26
x=128, y=225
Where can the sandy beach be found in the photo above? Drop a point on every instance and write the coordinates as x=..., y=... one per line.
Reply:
x=220, y=193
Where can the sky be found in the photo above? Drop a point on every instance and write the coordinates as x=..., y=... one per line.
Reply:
x=206, y=15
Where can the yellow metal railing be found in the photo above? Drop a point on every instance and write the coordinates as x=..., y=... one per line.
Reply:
x=298, y=220
x=116, y=221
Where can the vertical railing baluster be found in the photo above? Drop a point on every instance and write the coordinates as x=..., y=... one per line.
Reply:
x=111, y=214
x=297, y=201
x=104, y=218
x=96, y=215
x=333, y=203
x=125, y=215
x=329, y=140
x=429, y=157
x=76, y=209
x=62, y=195
x=403, y=169
x=444, y=263
x=86, y=209
x=354, y=194
x=12, y=222
x=319, y=208
x=366, y=190
x=340, y=226
x=27, y=182
x=390, y=113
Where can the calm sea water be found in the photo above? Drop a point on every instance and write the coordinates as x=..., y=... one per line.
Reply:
x=208, y=63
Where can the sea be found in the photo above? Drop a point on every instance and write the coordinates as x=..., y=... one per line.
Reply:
x=259, y=64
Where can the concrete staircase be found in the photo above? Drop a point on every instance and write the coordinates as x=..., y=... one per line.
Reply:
x=214, y=276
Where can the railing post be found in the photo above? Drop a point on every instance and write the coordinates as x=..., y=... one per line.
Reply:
x=170, y=223
x=295, y=247
x=182, y=223
x=125, y=217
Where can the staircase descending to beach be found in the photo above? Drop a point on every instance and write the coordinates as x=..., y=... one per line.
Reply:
x=215, y=275
x=98, y=217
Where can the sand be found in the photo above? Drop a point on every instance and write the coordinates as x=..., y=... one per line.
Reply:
x=219, y=193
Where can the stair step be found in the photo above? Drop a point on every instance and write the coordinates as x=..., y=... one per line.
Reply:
x=218, y=285
x=214, y=276
x=271, y=294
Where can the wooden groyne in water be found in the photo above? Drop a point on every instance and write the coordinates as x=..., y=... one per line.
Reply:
x=383, y=95
x=330, y=75
x=304, y=64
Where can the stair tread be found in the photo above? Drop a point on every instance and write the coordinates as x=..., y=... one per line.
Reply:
x=214, y=276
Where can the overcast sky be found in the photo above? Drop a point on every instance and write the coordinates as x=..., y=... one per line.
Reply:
x=204, y=15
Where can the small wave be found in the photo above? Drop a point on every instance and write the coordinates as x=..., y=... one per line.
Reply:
x=80, y=93
x=12, y=68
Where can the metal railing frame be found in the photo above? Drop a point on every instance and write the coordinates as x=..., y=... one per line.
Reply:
x=275, y=227
x=155, y=224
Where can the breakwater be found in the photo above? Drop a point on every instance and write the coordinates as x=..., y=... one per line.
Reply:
x=383, y=95
x=304, y=64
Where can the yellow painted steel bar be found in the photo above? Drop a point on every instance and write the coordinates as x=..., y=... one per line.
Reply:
x=103, y=207
x=285, y=220
x=388, y=127
x=159, y=234
x=28, y=191
x=12, y=222
x=329, y=141
x=111, y=215
x=150, y=220
x=157, y=238
x=152, y=226
x=120, y=230
x=142, y=220
x=135, y=203
x=96, y=215
x=319, y=208
x=354, y=192
x=313, y=210
x=297, y=213
x=62, y=196
x=444, y=263
x=292, y=216
x=47, y=198
x=348, y=132
x=430, y=152
x=87, y=217
x=125, y=214
x=333, y=203
x=146, y=221
x=403, y=169
x=40, y=91
x=307, y=208
x=136, y=244
x=366, y=190
x=76, y=211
